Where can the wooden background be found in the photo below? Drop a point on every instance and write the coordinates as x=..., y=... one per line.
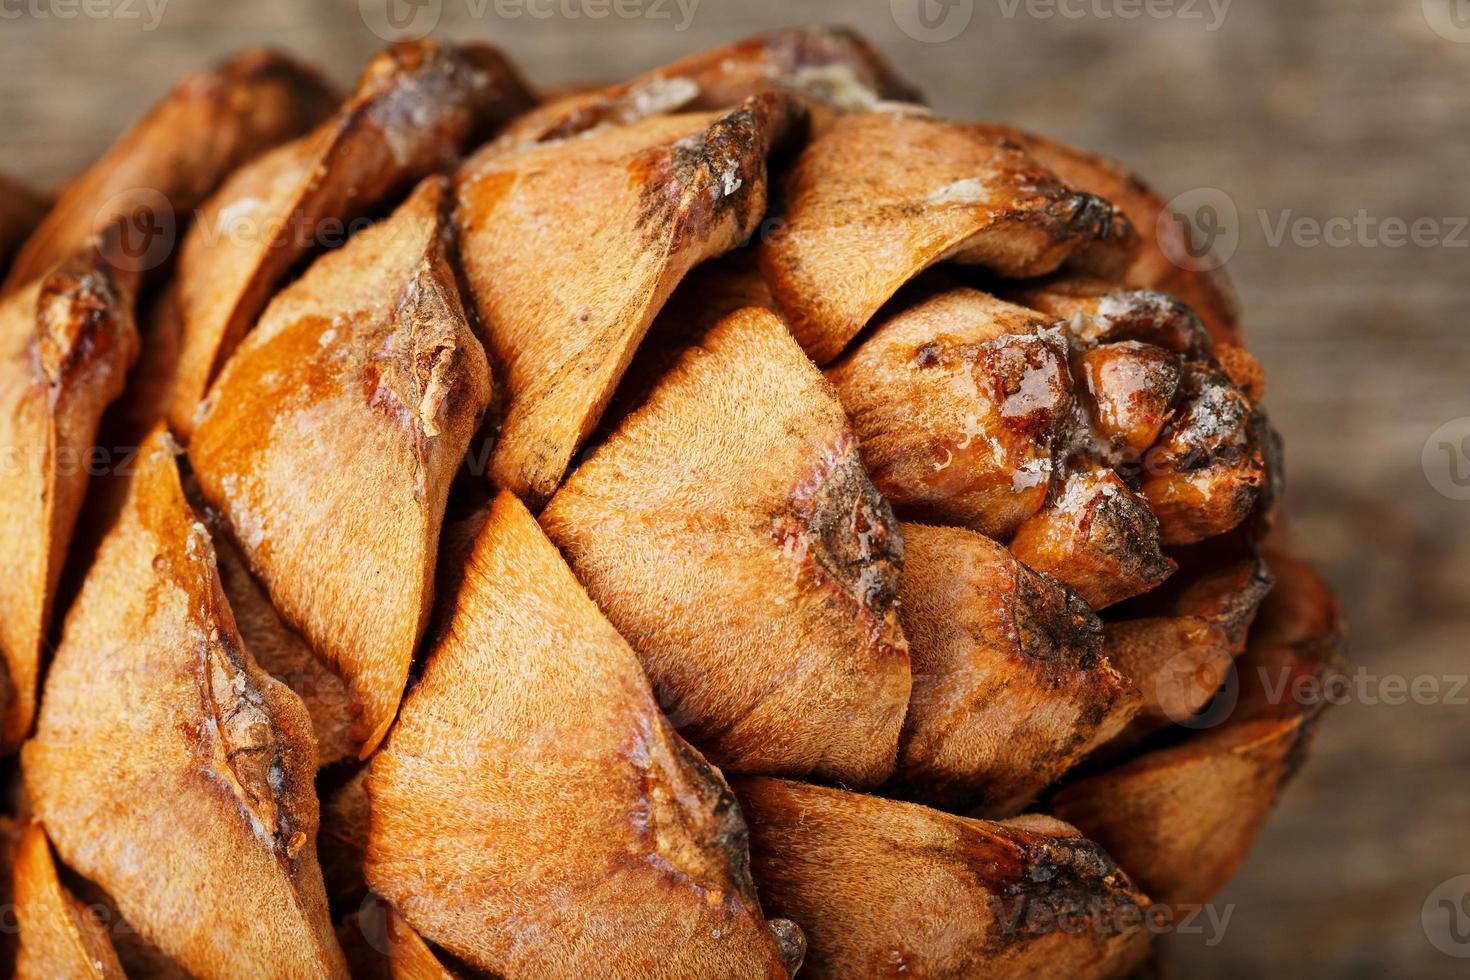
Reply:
x=1302, y=111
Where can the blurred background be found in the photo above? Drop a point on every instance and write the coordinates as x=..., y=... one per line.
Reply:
x=1324, y=143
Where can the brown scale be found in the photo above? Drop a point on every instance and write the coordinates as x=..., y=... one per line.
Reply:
x=1163, y=241
x=1178, y=643
x=59, y=936
x=167, y=767
x=956, y=401
x=571, y=830
x=67, y=341
x=973, y=411
x=377, y=385
x=830, y=65
x=21, y=209
x=1096, y=535
x=415, y=108
x=885, y=888
x=565, y=302
x=1130, y=388
x=754, y=571
x=1204, y=474
x=1011, y=687
x=209, y=124
x=879, y=197
x=1181, y=817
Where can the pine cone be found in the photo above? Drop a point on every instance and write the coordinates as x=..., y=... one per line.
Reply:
x=703, y=526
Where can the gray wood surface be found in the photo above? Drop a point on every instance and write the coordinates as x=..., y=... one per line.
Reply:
x=1308, y=110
